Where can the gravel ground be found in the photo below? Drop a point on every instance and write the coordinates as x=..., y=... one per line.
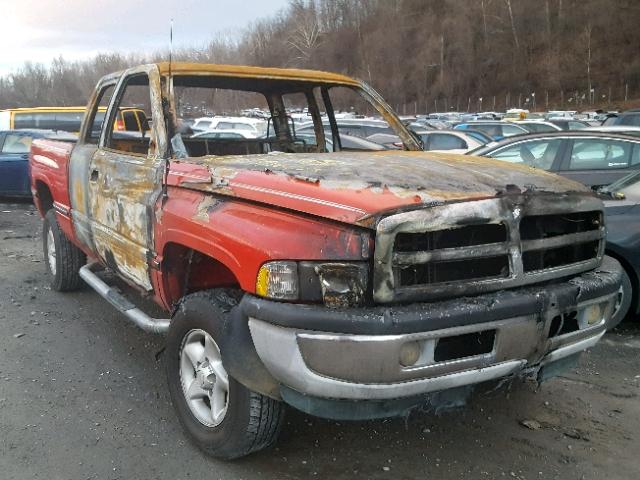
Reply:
x=83, y=396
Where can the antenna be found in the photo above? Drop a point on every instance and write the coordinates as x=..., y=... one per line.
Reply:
x=170, y=45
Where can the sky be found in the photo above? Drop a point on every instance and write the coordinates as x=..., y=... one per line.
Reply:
x=40, y=30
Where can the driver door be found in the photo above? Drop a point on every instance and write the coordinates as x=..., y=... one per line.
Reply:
x=125, y=181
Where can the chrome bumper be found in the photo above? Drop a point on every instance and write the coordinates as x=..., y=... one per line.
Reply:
x=368, y=367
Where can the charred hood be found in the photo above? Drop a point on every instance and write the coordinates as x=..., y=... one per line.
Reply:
x=355, y=187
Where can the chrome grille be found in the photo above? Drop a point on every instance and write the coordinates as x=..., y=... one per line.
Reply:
x=475, y=247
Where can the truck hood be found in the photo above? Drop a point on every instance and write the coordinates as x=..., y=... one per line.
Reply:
x=356, y=187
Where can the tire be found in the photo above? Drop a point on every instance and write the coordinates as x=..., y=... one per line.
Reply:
x=247, y=421
x=623, y=303
x=62, y=258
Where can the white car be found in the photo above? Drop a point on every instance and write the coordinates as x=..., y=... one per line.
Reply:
x=219, y=134
x=449, y=141
x=252, y=127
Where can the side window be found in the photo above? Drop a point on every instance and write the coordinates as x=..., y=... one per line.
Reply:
x=631, y=120
x=96, y=118
x=135, y=95
x=130, y=121
x=441, y=141
x=511, y=130
x=593, y=154
x=575, y=125
x=538, y=154
x=368, y=131
x=493, y=131
x=349, y=105
x=24, y=120
x=69, y=121
x=635, y=156
x=297, y=108
x=16, y=144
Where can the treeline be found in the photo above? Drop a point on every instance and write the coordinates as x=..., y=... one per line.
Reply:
x=421, y=55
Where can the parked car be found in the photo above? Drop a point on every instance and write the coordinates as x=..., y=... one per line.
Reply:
x=356, y=127
x=569, y=124
x=387, y=140
x=495, y=129
x=14, y=159
x=453, y=141
x=347, y=142
x=622, y=210
x=593, y=158
x=348, y=285
x=252, y=127
x=629, y=118
x=623, y=129
x=222, y=135
x=68, y=119
x=539, y=126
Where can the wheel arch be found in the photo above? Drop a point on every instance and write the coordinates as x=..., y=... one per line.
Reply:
x=43, y=197
x=187, y=270
x=633, y=276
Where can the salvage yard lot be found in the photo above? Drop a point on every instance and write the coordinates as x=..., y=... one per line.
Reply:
x=83, y=396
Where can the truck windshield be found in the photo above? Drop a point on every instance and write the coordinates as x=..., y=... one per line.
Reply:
x=274, y=115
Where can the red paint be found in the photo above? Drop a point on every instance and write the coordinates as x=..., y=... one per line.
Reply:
x=43, y=156
x=242, y=236
x=243, y=230
x=341, y=204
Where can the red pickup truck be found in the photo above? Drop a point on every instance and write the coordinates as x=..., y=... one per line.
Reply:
x=348, y=284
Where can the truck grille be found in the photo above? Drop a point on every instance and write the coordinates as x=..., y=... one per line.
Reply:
x=487, y=245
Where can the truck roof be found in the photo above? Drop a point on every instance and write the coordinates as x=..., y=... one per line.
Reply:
x=187, y=68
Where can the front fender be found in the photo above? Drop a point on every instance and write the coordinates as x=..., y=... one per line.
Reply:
x=243, y=235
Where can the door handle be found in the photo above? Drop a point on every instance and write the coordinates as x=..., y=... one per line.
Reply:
x=94, y=175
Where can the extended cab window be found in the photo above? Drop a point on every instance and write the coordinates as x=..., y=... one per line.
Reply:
x=97, y=115
x=134, y=96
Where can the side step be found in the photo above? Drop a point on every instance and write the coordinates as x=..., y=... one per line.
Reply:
x=110, y=294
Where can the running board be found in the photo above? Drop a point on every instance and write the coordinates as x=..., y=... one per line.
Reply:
x=133, y=313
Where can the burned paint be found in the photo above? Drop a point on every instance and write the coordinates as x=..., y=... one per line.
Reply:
x=205, y=208
x=356, y=186
x=242, y=71
x=507, y=246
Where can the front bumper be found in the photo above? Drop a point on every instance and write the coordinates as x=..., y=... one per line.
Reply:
x=355, y=354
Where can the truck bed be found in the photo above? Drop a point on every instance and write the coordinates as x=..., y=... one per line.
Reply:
x=48, y=164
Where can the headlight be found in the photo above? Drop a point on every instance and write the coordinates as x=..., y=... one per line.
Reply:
x=278, y=280
x=343, y=284
x=337, y=284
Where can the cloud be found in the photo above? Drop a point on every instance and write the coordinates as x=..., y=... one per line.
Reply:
x=39, y=30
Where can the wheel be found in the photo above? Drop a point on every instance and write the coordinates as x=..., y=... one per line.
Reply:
x=623, y=301
x=223, y=418
x=62, y=258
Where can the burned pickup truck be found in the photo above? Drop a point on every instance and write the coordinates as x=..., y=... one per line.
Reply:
x=347, y=284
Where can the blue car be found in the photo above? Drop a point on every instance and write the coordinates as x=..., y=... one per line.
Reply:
x=14, y=159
